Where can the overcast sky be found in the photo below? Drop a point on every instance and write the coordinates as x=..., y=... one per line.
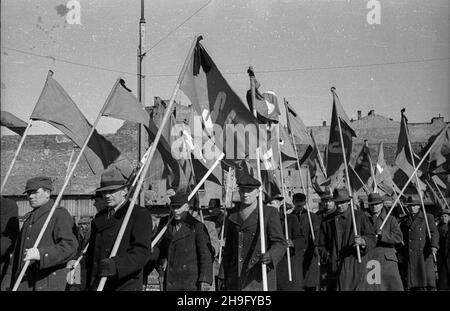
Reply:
x=299, y=49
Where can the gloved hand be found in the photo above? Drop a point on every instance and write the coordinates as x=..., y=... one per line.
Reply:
x=107, y=268
x=266, y=258
x=434, y=251
x=32, y=254
x=360, y=241
x=290, y=243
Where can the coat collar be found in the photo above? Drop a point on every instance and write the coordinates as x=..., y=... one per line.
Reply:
x=103, y=221
x=187, y=226
x=37, y=213
x=251, y=220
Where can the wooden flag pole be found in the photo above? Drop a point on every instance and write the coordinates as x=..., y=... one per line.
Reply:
x=411, y=177
x=436, y=197
x=372, y=172
x=150, y=157
x=251, y=74
x=286, y=229
x=439, y=190
x=76, y=263
x=319, y=155
x=15, y=156
x=227, y=203
x=58, y=199
x=358, y=252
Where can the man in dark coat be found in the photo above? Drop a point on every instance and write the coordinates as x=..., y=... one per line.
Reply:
x=242, y=260
x=294, y=243
x=417, y=265
x=186, y=250
x=384, y=252
x=47, y=270
x=124, y=271
x=337, y=244
x=308, y=257
x=9, y=224
x=443, y=254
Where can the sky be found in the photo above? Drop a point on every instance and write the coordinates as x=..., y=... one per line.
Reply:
x=299, y=49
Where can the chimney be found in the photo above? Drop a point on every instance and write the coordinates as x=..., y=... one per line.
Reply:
x=324, y=123
x=359, y=114
x=371, y=112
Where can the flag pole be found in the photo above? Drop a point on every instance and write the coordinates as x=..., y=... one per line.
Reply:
x=15, y=155
x=319, y=155
x=227, y=203
x=251, y=74
x=372, y=173
x=436, y=197
x=358, y=252
x=411, y=177
x=359, y=178
x=149, y=158
x=439, y=190
x=300, y=173
x=286, y=229
x=59, y=197
x=191, y=195
x=419, y=190
x=400, y=202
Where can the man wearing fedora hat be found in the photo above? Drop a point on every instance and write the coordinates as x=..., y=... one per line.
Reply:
x=417, y=267
x=186, y=252
x=294, y=243
x=384, y=252
x=337, y=244
x=124, y=271
x=242, y=257
x=443, y=254
x=47, y=269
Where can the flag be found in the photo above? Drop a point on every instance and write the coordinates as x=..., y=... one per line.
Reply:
x=55, y=107
x=317, y=171
x=439, y=157
x=219, y=105
x=13, y=123
x=335, y=162
x=363, y=169
x=403, y=155
x=296, y=127
x=271, y=184
x=122, y=104
x=288, y=155
x=267, y=107
x=382, y=173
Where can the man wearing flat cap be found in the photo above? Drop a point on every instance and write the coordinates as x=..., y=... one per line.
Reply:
x=308, y=257
x=47, y=269
x=384, y=252
x=417, y=268
x=124, y=271
x=337, y=244
x=185, y=250
x=443, y=254
x=242, y=257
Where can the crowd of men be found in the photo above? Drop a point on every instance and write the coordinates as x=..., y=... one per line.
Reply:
x=338, y=248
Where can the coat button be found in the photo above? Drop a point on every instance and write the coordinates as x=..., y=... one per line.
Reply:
x=184, y=266
x=28, y=238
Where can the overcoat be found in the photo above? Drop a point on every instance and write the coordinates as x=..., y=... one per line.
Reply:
x=189, y=255
x=57, y=246
x=443, y=257
x=9, y=224
x=336, y=245
x=241, y=258
x=133, y=252
x=417, y=267
x=385, y=254
x=283, y=282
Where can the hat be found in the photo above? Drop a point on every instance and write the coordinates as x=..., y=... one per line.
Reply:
x=179, y=199
x=444, y=211
x=327, y=194
x=111, y=179
x=341, y=195
x=214, y=203
x=245, y=181
x=374, y=198
x=413, y=200
x=38, y=182
x=299, y=197
x=277, y=196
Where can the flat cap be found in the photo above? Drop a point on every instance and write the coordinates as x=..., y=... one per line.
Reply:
x=38, y=182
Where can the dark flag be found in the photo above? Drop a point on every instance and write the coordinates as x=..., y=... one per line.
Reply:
x=335, y=162
x=57, y=108
x=439, y=157
x=13, y=123
x=317, y=170
x=363, y=169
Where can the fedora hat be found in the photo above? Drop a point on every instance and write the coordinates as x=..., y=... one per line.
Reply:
x=214, y=203
x=179, y=199
x=341, y=195
x=374, y=198
x=111, y=179
x=413, y=200
x=299, y=197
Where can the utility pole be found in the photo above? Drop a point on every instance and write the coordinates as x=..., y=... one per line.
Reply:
x=142, y=135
